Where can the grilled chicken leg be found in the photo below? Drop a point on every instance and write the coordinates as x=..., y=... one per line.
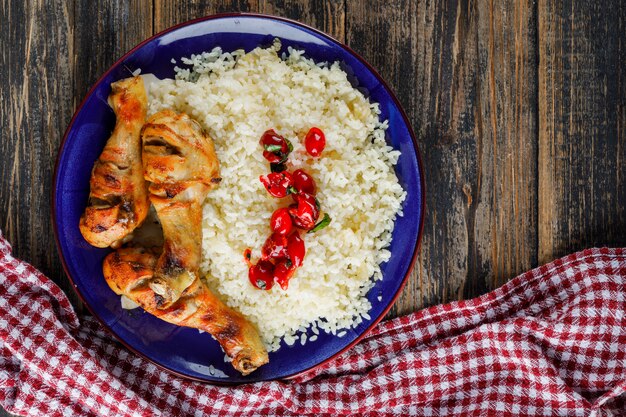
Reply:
x=179, y=161
x=128, y=272
x=118, y=198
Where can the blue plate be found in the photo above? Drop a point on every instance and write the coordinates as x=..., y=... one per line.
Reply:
x=185, y=351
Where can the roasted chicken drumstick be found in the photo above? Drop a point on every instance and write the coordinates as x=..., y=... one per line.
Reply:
x=180, y=163
x=118, y=198
x=128, y=272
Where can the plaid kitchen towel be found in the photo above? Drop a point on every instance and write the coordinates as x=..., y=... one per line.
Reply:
x=551, y=342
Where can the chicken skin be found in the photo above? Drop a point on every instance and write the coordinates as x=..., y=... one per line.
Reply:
x=118, y=198
x=180, y=163
x=128, y=271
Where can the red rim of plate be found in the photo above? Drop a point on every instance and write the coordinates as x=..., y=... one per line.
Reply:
x=317, y=32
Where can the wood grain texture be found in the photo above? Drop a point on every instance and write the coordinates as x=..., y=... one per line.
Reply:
x=107, y=30
x=465, y=72
x=582, y=135
x=168, y=13
x=326, y=15
x=36, y=45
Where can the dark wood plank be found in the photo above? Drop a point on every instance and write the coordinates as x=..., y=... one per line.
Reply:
x=326, y=15
x=505, y=228
x=36, y=80
x=465, y=72
x=582, y=135
x=99, y=42
x=168, y=13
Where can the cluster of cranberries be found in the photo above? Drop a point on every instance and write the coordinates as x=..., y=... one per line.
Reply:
x=283, y=252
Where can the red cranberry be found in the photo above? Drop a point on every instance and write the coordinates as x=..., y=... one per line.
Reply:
x=281, y=222
x=315, y=141
x=261, y=275
x=303, y=182
x=278, y=184
x=305, y=212
x=296, y=249
x=283, y=272
x=275, y=147
x=275, y=247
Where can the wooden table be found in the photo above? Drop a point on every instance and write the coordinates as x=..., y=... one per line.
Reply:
x=519, y=108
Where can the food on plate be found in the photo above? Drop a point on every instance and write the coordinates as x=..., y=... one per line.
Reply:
x=118, y=198
x=327, y=155
x=128, y=271
x=237, y=97
x=179, y=162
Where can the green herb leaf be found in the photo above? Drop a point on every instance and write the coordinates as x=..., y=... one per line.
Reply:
x=322, y=224
x=272, y=148
x=278, y=167
x=288, y=263
x=292, y=190
x=289, y=145
x=260, y=284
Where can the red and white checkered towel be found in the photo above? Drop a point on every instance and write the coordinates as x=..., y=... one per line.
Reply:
x=552, y=342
